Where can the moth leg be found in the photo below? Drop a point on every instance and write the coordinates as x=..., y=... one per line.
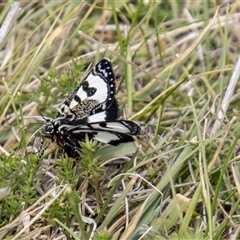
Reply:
x=41, y=149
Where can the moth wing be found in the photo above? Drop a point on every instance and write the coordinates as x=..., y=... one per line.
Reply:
x=94, y=94
x=113, y=133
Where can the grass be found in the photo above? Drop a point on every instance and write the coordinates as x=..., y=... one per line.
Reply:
x=174, y=62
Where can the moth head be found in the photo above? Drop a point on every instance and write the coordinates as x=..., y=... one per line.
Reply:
x=49, y=130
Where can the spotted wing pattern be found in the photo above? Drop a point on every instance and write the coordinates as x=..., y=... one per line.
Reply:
x=91, y=109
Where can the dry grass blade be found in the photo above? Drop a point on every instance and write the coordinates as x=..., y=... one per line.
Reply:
x=227, y=98
x=9, y=21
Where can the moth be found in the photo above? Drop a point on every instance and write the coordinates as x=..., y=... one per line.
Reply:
x=91, y=109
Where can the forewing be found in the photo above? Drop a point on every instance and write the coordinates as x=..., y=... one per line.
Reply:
x=95, y=94
x=109, y=114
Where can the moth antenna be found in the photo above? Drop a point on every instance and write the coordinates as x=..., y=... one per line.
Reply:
x=40, y=118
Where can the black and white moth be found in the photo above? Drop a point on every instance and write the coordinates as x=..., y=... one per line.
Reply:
x=91, y=109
